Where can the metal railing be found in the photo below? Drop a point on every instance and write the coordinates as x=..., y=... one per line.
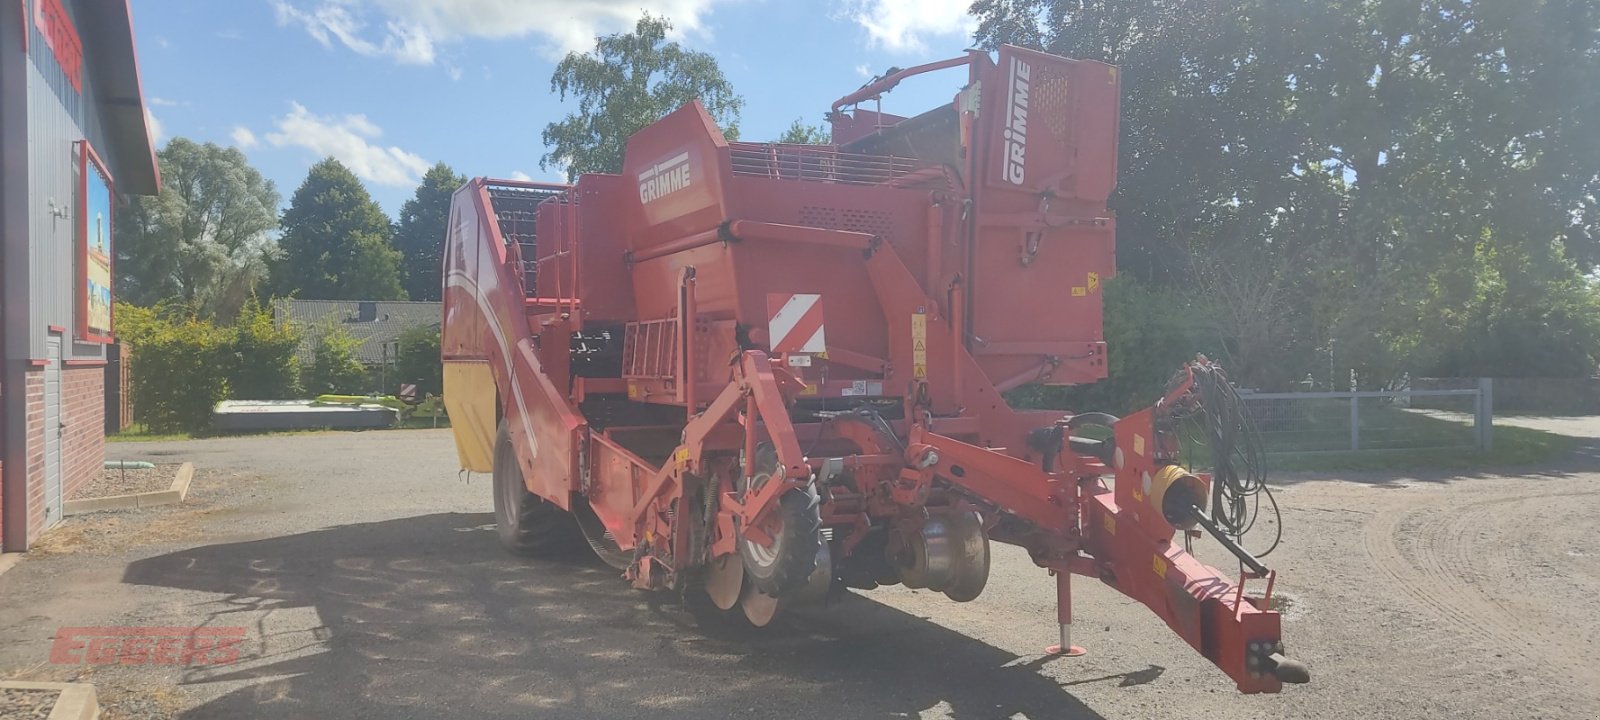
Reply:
x=817, y=163
x=1312, y=422
x=516, y=209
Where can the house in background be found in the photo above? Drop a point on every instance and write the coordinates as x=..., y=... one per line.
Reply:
x=375, y=324
x=74, y=139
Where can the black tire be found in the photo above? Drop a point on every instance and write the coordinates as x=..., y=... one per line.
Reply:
x=789, y=562
x=526, y=523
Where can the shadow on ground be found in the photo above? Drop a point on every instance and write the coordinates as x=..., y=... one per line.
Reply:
x=427, y=617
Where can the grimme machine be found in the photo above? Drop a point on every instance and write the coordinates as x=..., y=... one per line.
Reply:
x=760, y=373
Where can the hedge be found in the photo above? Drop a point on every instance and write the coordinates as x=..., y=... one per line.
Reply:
x=182, y=365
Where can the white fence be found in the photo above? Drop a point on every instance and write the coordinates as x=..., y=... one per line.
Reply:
x=1310, y=422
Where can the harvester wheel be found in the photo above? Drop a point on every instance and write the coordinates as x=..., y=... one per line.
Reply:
x=526, y=523
x=796, y=530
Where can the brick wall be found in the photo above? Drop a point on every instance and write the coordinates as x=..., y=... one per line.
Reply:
x=119, y=414
x=83, y=443
x=83, y=440
x=35, y=419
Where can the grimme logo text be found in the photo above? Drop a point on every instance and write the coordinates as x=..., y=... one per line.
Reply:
x=1016, y=133
x=664, y=178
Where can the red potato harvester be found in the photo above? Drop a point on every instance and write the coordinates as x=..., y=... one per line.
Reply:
x=756, y=373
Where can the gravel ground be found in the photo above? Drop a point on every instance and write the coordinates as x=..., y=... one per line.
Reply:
x=367, y=576
x=17, y=704
x=128, y=482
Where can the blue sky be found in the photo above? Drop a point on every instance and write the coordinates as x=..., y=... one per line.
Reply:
x=391, y=86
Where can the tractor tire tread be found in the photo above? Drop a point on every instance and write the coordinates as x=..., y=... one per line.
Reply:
x=802, y=527
x=526, y=523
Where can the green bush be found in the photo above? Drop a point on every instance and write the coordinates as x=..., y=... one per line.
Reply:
x=135, y=322
x=264, y=363
x=179, y=367
x=334, y=369
x=182, y=365
x=419, y=360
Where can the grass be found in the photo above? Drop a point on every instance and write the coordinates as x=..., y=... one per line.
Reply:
x=1395, y=439
x=1513, y=447
x=1313, y=436
x=139, y=433
x=423, y=423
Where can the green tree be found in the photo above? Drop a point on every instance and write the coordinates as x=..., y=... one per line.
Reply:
x=205, y=238
x=419, y=360
x=419, y=236
x=336, y=242
x=334, y=368
x=627, y=82
x=265, y=364
x=1420, y=173
x=799, y=133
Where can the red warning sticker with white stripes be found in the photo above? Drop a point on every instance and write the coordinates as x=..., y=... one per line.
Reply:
x=795, y=324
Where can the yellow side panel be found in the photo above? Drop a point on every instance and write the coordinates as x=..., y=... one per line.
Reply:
x=469, y=397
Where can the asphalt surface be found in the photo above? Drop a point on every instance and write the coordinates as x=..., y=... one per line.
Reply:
x=365, y=570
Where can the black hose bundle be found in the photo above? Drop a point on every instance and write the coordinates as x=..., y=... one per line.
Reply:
x=1238, y=475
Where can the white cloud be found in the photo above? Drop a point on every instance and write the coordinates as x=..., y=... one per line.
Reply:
x=163, y=102
x=157, y=133
x=244, y=138
x=341, y=20
x=556, y=172
x=864, y=71
x=904, y=25
x=521, y=176
x=409, y=31
x=352, y=140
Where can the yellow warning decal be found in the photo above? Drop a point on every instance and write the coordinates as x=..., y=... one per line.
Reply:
x=1160, y=566
x=1111, y=524
x=682, y=456
x=1094, y=281
x=811, y=389
x=1138, y=444
x=919, y=345
x=633, y=391
x=1080, y=291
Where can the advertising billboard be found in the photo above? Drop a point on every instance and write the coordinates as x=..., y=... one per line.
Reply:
x=95, y=250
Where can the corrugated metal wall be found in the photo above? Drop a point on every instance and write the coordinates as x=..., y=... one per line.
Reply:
x=58, y=117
